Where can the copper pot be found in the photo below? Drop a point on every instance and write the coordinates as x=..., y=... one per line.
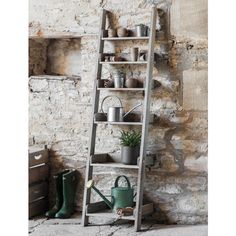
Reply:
x=131, y=83
x=122, y=32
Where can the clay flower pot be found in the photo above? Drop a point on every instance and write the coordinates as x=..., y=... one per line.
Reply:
x=122, y=32
x=131, y=83
x=112, y=33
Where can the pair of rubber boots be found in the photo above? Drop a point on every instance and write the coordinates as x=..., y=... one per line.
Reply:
x=66, y=183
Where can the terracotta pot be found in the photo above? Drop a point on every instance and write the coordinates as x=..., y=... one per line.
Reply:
x=131, y=83
x=122, y=32
x=112, y=33
x=108, y=84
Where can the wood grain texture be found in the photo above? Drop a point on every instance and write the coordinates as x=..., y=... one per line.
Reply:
x=118, y=123
x=96, y=95
x=107, y=160
x=146, y=116
x=125, y=38
x=39, y=157
x=96, y=206
x=38, y=173
x=124, y=62
x=38, y=207
x=146, y=209
x=38, y=191
x=122, y=89
x=109, y=214
x=115, y=165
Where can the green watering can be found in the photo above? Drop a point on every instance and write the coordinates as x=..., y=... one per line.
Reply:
x=121, y=197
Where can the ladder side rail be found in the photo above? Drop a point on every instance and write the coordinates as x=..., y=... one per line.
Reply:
x=95, y=103
x=146, y=111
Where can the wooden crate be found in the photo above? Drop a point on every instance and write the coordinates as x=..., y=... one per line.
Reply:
x=38, y=207
x=38, y=181
x=38, y=173
x=37, y=191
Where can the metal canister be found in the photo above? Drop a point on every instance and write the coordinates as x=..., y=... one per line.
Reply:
x=141, y=30
x=119, y=81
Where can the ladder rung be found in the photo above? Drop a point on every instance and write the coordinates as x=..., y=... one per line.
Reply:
x=117, y=123
x=125, y=38
x=124, y=62
x=115, y=165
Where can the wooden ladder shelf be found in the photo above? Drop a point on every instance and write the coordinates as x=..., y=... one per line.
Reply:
x=99, y=208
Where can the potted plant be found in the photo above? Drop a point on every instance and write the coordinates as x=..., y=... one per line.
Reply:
x=130, y=148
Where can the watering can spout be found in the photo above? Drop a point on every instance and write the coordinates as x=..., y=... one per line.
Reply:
x=90, y=184
x=132, y=109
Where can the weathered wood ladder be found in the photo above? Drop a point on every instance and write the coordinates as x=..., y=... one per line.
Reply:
x=95, y=209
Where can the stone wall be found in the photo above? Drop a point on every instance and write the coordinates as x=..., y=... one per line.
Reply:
x=60, y=103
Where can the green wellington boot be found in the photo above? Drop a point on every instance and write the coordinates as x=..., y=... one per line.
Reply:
x=69, y=181
x=59, y=195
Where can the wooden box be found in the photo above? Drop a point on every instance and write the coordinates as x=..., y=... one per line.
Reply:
x=38, y=181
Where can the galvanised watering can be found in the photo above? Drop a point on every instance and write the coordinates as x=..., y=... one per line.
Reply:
x=116, y=114
x=121, y=197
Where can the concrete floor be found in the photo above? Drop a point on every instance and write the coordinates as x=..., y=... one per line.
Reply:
x=71, y=227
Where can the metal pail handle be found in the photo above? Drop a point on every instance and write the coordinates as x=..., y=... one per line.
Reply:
x=108, y=97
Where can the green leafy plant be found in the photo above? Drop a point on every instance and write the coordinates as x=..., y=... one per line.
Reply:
x=130, y=139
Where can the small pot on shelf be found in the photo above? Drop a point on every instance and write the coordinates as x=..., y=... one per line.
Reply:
x=141, y=30
x=122, y=32
x=119, y=80
x=129, y=155
x=130, y=147
x=131, y=83
x=112, y=33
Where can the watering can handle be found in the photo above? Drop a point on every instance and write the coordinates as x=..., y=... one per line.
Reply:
x=108, y=97
x=132, y=109
x=127, y=180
